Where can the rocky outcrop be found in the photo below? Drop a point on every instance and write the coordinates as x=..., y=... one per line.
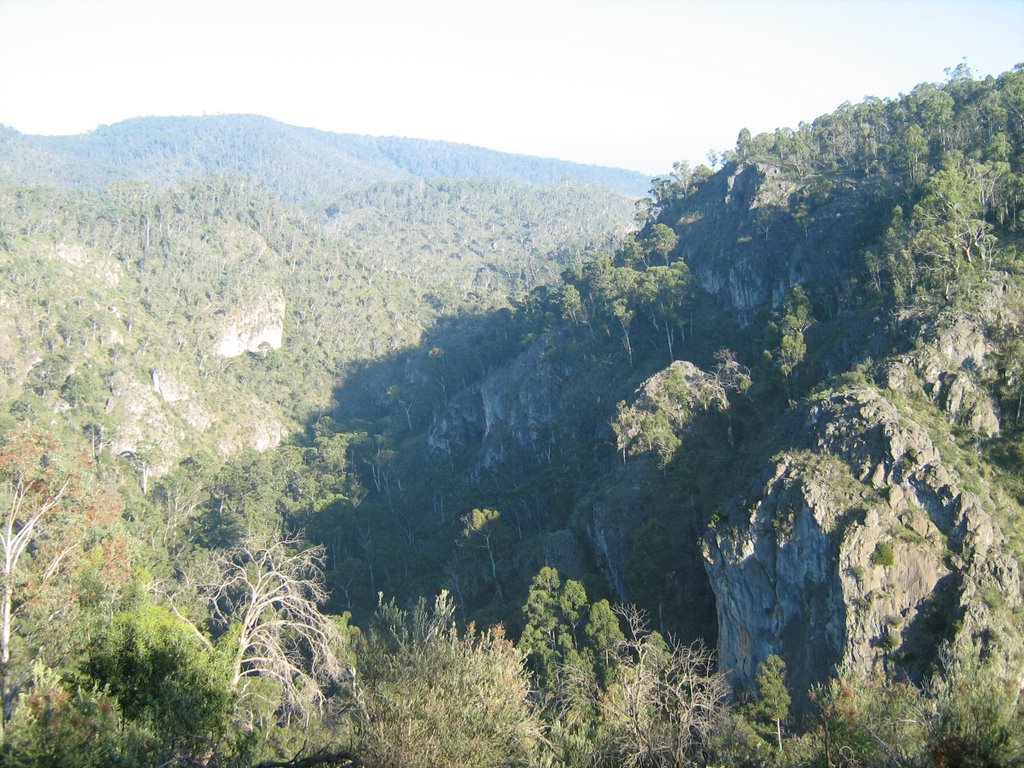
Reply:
x=104, y=269
x=511, y=410
x=144, y=428
x=181, y=398
x=663, y=417
x=662, y=409
x=255, y=426
x=953, y=362
x=254, y=327
x=751, y=233
x=158, y=422
x=862, y=546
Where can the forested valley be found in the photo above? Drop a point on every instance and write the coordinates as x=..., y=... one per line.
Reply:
x=330, y=450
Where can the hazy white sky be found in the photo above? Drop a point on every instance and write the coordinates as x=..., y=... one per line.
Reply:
x=631, y=83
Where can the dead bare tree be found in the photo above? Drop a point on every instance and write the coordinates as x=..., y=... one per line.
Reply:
x=667, y=700
x=264, y=601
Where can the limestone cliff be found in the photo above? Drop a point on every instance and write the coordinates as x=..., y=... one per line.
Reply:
x=258, y=324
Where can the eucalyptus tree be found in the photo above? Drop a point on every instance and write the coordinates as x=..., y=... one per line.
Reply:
x=53, y=514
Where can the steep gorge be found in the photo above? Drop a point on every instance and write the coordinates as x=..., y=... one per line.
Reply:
x=775, y=416
x=819, y=476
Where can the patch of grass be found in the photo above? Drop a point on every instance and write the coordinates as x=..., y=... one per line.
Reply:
x=909, y=535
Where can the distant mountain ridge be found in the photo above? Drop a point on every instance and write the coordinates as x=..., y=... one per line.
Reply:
x=301, y=165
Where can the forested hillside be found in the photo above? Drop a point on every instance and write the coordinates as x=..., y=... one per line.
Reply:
x=454, y=470
x=300, y=165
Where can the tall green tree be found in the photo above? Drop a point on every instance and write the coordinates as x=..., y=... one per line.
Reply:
x=661, y=241
x=666, y=292
x=165, y=679
x=770, y=706
x=554, y=613
x=951, y=231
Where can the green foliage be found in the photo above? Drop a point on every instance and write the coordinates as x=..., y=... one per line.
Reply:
x=672, y=406
x=974, y=717
x=164, y=678
x=665, y=293
x=554, y=614
x=644, y=431
x=796, y=319
x=433, y=696
x=898, y=140
x=770, y=706
x=602, y=636
x=952, y=235
x=980, y=719
x=63, y=725
x=482, y=241
x=59, y=547
x=661, y=240
x=149, y=281
x=883, y=555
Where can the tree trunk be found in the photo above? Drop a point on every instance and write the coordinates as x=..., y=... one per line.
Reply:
x=494, y=572
x=7, y=695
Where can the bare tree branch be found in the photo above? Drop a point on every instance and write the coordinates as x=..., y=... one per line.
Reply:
x=667, y=701
x=267, y=596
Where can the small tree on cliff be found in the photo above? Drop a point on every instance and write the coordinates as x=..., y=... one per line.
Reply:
x=771, y=706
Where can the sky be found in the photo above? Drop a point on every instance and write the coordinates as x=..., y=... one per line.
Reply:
x=636, y=84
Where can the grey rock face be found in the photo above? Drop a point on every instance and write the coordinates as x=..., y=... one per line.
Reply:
x=513, y=409
x=752, y=234
x=862, y=547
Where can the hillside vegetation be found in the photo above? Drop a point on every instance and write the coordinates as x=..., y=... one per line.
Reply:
x=462, y=471
x=299, y=165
